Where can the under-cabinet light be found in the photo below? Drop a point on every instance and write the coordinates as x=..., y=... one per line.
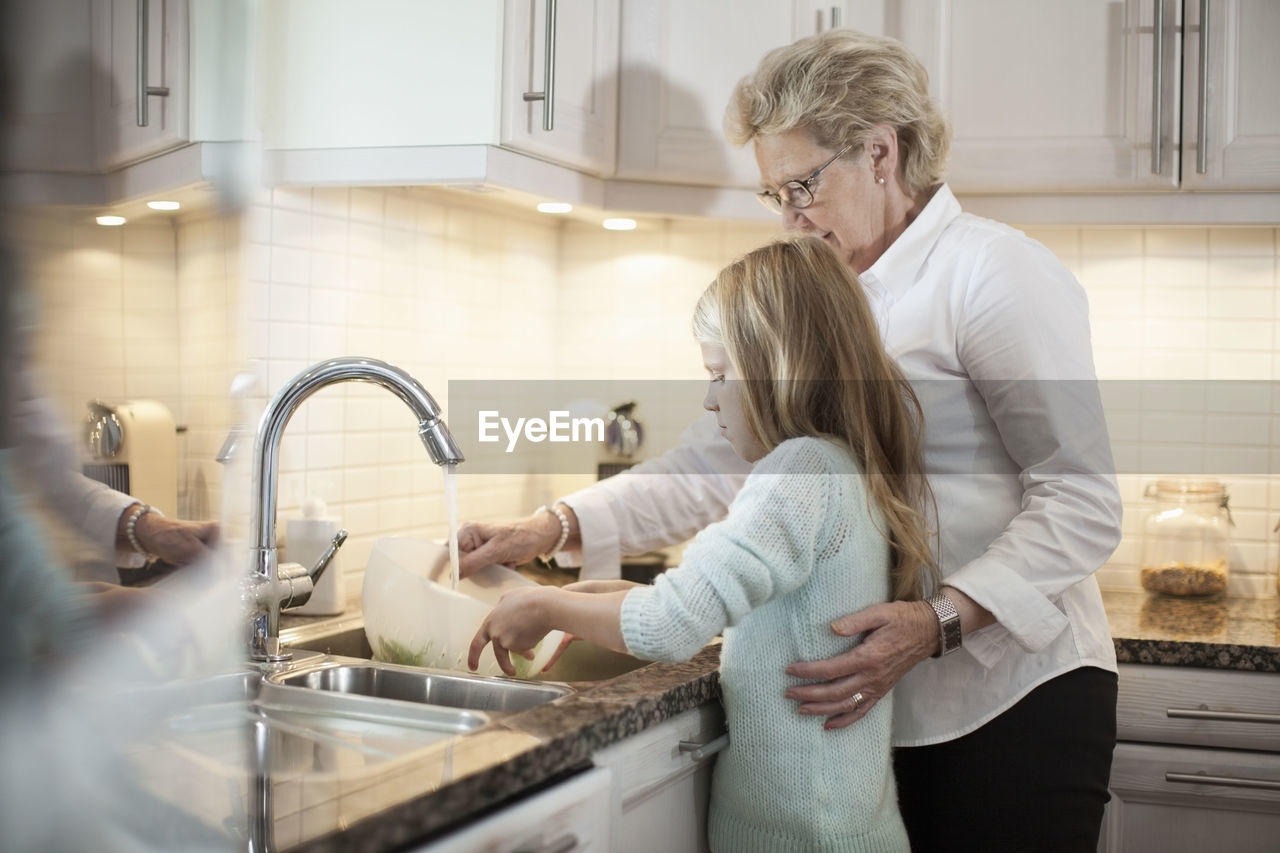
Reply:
x=111, y=220
x=620, y=224
x=164, y=205
x=554, y=207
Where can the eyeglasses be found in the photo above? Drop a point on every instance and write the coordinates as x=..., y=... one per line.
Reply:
x=797, y=194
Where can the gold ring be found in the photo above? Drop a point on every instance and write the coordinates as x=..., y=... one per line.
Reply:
x=857, y=700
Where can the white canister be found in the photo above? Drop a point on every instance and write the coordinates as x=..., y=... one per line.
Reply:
x=306, y=540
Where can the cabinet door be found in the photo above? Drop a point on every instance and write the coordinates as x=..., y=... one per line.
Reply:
x=1050, y=96
x=119, y=72
x=50, y=123
x=1156, y=808
x=1231, y=125
x=663, y=782
x=680, y=62
x=583, y=77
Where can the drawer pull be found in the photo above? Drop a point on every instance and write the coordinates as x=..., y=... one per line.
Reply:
x=563, y=844
x=1225, y=781
x=1204, y=713
x=699, y=751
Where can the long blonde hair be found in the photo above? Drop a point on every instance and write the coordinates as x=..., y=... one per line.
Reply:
x=797, y=327
x=836, y=87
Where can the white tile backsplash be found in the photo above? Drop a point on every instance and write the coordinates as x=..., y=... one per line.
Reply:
x=450, y=285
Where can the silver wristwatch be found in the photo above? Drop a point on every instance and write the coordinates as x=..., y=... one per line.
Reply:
x=948, y=624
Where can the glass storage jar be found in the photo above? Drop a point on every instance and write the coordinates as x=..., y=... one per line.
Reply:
x=1186, y=542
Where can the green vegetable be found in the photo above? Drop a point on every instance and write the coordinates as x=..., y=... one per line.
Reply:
x=393, y=652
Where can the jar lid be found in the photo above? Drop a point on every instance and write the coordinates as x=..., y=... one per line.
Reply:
x=1188, y=490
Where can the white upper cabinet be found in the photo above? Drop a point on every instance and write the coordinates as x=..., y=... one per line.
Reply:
x=77, y=71
x=680, y=63
x=578, y=125
x=1231, y=123
x=1100, y=95
x=140, y=78
x=416, y=73
x=88, y=102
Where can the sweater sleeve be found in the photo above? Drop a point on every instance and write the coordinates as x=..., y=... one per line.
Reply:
x=766, y=547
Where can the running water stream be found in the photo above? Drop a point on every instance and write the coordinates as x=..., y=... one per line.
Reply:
x=451, y=510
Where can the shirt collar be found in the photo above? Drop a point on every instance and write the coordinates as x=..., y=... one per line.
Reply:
x=899, y=266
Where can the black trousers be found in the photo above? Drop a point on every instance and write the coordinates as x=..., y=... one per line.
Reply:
x=1033, y=779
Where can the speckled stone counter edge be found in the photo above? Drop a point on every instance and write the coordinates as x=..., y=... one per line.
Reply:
x=570, y=730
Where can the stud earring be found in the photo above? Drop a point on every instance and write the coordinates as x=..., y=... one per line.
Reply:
x=879, y=179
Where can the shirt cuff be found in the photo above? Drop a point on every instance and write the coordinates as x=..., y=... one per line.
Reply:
x=1022, y=612
x=600, y=554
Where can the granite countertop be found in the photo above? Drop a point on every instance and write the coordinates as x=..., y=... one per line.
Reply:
x=1229, y=633
x=537, y=747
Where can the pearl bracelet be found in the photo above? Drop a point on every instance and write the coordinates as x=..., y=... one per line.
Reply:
x=564, y=532
x=131, y=525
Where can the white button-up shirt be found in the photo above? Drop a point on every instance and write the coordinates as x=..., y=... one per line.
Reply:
x=993, y=333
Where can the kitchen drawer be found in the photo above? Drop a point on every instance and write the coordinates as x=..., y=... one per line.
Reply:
x=1157, y=807
x=1199, y=707
x=653, y=758
x=571, y=817
x=663, y=783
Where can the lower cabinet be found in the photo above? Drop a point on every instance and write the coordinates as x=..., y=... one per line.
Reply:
x=662, y=782
x=1197, y=766
x=571, y=817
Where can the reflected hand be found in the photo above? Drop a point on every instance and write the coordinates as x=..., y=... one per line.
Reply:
x=482, y=544
x=516, y=624
x=177, y=542
x=899, y=634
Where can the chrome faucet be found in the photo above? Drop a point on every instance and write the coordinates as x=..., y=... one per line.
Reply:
x=272, y=587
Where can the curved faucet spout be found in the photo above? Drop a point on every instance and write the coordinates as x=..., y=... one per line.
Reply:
x=432, y=431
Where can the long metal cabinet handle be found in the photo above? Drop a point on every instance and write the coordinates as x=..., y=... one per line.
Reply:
x=1202, y=112
x=835, y=17
x=144, y=21
x=548, y=93
x=1222, y=716
x=563, y=844
x=699, y=751
x=1225, y=781
x=1157, y=88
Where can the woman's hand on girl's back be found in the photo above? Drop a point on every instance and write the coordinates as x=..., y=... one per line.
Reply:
x=899, y=634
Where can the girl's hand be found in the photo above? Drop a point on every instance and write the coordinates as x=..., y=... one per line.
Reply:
x=518, y=623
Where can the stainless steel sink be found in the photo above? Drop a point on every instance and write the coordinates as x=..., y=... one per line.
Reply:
x=381, y=681
x=580, y=662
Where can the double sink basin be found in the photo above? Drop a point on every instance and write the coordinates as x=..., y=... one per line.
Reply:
x=332, y=709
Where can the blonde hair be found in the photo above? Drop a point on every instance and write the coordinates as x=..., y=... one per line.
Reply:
x=795, y=323
x=838, y=85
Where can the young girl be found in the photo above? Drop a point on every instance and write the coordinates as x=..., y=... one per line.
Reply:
x=830, y=521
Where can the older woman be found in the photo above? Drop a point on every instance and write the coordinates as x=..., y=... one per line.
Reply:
x=1004, y=678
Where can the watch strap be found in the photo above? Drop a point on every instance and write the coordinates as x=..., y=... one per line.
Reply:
x=949, y=635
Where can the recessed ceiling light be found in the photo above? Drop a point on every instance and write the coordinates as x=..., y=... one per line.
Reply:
x=620, y=224
x=554, y=207
x=163, y=205
x=111, y=220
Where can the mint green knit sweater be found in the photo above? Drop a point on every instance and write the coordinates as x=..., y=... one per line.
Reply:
x=797, y=550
